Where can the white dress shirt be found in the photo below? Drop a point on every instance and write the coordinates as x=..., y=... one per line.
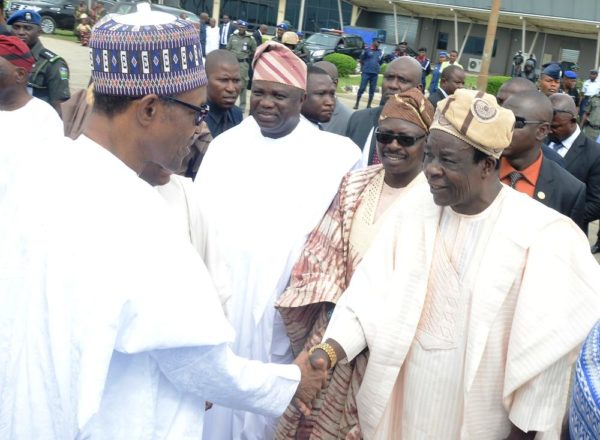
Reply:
x=566, y=144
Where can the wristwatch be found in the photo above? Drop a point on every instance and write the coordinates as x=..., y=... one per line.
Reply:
x=328, y=349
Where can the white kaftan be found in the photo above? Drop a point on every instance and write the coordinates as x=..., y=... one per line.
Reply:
x=110, y=327
x=472, y=322
x=266, y=195
x=181, y=196
x=36, y=121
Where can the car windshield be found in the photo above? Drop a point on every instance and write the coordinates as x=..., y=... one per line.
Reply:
x=322, y=40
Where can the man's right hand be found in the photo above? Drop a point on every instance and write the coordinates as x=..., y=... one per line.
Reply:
x=313, y=379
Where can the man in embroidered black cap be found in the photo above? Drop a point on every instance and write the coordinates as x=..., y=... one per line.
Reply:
x=50, y=76
x=479, y=294
x=549, y=81
x=278, y=173
x=111, y=325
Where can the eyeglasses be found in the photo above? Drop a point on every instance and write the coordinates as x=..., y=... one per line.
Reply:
x=521, y=122
x=201, y=111
x=388, y=138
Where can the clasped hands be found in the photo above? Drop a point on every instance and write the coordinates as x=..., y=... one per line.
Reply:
x=314, y=378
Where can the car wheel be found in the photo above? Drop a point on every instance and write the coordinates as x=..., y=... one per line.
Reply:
x=48, y=25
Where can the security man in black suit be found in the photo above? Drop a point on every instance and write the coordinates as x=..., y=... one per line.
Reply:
x=582, y=154
x=259, y=33
x=402, y=74
x=518, y=86
x=524, y=167
x=453, y=78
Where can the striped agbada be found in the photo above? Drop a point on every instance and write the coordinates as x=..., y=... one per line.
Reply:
x=322, y=274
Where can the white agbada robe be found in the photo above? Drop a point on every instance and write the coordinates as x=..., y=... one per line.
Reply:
x=502, y=337
x=36, y=121
x=110, y=326
x=212, y=38
x=266, y=195
x=181, y=196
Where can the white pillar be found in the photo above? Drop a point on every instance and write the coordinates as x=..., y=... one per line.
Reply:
x=597, y=48
x=355, y=14
x=523, y=34
x=462, y=46
x=455, y=31
x=395, y=23
x=280, y=11
x=341, y=15
x=301, y=16
x=535, y=37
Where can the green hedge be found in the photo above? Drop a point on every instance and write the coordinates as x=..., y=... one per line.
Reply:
x=383, y=68
x=494, y=84
x=345, y=64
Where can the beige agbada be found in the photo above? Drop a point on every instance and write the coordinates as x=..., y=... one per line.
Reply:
x=524, y=300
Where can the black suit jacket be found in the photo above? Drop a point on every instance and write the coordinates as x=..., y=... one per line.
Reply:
x=560, y=190
x=257, y=37
x=230, y=31
x=583, y=161
x=360, y=125
x=436, y=97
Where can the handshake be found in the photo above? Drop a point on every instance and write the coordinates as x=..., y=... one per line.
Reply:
x=314, y=378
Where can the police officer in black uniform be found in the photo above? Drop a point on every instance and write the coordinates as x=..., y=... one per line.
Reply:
x=50, y=77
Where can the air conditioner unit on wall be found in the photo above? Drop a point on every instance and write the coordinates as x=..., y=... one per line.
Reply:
x=474, y=65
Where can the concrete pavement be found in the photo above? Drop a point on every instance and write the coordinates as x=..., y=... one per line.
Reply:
x=76, y=56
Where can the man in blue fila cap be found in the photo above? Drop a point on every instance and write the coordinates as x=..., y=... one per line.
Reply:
x=549, y=81
x=282, y=28
x=50, y=77
x=569, y=86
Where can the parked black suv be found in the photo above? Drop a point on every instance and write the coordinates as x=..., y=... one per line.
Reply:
x=56, y=14
x=324, y=43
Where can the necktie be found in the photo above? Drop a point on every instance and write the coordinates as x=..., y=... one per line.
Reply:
x=558, y=146
x=514, y=177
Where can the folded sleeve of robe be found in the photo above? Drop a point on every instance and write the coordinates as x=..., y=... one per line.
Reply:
x=219, y=376
x=557, y=306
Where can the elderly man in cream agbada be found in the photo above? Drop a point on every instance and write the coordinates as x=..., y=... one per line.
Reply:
x=473, y=302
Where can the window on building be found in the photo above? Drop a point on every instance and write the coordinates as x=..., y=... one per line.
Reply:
x=442, y=42
x=474, y=46
x=569, y=55
x=317, y=14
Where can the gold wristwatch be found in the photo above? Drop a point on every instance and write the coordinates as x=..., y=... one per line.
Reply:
x=328, y=349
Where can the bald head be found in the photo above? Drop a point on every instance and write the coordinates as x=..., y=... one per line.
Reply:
x=329, y=68
x=564, y=122
x=563, y=103
x=532, y=105
x=219, y=57
x=533, y=112
x=514, y=86
x=401, y=75
x=224, y=79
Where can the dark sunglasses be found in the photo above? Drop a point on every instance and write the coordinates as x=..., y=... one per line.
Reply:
x=201, y=112
x=388, y=138
x=521, y=122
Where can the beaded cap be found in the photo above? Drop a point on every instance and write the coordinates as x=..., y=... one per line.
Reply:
x=144, y=53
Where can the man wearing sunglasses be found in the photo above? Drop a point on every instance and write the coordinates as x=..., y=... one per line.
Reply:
x=524, y=167
x=402, y=74
x=111, y=325
x=581, y=154
x=472, y=303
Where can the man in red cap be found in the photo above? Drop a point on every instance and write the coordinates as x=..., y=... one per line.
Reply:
x=18, y=109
